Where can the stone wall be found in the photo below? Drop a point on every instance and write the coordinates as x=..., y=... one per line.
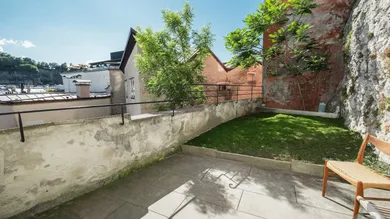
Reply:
x=63, y=160
x=365, y=94
x=328, y=21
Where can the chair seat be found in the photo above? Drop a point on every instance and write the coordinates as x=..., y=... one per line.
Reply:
x=354, y=172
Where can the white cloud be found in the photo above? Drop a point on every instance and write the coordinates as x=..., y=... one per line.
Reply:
x=89, y=61
x=5, y=41
x=25, y=43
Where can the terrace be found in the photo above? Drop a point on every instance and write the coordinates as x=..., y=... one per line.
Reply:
x=189, y=186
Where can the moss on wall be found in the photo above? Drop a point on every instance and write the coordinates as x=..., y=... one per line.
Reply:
x=347, y=45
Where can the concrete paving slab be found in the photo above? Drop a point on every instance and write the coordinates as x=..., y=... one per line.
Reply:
x=219, y=194
x=128, y=211
x=213, y=188
x=168, y=204
x=140, y=194
x=147, y=175
x=95, y=205
x=379, y=193
x=153, y=215
x=339, y=196
x=269, y=207
x=201, y=210
x=226, y=168
x=273, y=183
x=172, y=181
x=191, y=166
x=57, y=213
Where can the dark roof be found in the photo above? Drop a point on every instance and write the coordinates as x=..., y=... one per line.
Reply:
x=115, y=57
x=131, y=41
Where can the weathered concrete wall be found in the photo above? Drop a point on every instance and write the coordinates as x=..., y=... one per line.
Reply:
x=366, y=87
x=61, y=161
x=11, y=121
x=328, y=21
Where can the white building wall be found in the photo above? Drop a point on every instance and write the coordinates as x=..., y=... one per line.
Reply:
x=99, y=80
x=132, y=73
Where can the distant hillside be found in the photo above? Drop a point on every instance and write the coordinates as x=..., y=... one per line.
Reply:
x=16, y=70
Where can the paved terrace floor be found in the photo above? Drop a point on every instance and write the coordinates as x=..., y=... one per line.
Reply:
x=187, y=186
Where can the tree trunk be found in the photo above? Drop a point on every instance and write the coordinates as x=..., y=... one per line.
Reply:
x=300, y=93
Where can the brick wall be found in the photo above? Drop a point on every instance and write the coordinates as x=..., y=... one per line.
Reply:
x=328, y=21
x=216, y=73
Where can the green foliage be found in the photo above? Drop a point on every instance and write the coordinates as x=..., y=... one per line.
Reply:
x=28, y=68
x=293, y=50
x=348, y=43
x=370, y=35
x=173, y=56
x=19, y=70
x=371, y=160
x=317, y=63
x=284, y=137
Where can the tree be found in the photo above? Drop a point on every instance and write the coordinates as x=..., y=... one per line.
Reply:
x=28, y=68
x=293, y=51
x=173, y=56
x=25, y=70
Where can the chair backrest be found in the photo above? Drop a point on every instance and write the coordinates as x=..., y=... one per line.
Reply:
x=381, y=145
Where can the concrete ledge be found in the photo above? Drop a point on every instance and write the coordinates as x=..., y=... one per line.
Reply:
x=294, y=166
x=307, y=168
x=257, y=161
x=199, y=151
x=299, y=112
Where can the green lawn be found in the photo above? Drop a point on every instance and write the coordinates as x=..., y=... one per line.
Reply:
x=284, y=137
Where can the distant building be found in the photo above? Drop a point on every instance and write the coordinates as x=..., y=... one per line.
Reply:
x=135, y=90
x=98, y=74
x=215, y=72
x=21, y=102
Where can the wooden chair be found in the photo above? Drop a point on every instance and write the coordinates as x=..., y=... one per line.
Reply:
x=358, y=175
x=376, y=212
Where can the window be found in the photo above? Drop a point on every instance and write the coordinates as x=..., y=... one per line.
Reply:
x=221, y=87
x=132, y=88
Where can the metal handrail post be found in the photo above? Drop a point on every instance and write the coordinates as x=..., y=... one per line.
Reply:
x=21, y=127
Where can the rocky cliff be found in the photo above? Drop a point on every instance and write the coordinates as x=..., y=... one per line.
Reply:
x=365, y=91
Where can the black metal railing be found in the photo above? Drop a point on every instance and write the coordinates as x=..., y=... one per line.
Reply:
x=214, y=92
x=207, y=95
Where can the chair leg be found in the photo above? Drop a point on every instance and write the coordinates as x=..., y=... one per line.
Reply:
x=359, y=192
x=325, y=180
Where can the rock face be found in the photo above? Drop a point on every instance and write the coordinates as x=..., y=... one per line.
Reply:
x=365, y=91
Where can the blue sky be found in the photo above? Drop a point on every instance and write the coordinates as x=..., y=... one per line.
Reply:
x=77, y=31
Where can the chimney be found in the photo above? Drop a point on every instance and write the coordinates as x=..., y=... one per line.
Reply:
x=82, y=88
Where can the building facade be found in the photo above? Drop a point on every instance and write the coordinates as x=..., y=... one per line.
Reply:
x=215, y=72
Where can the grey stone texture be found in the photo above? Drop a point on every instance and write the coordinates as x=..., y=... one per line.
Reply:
x=187, y=186
x=365, y=94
